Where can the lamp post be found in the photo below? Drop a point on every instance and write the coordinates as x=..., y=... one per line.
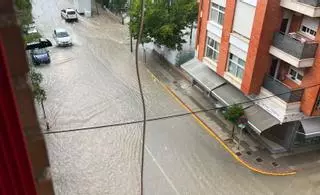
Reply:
x=241, y=124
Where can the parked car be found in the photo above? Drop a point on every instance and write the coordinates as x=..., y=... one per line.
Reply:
x=69, y=14
x=41, y=43
x=30, y=29
x=40, y=56
x=62, y=37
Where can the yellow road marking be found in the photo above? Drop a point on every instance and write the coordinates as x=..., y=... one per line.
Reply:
x=211, y=132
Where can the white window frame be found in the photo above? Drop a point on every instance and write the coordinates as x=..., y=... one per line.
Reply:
x=308, y=31
x=295, y=77
x=220, y=11
x=214, y=50
x=237, y=64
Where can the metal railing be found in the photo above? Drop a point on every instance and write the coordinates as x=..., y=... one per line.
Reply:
x=277, y=87
x=295, y=47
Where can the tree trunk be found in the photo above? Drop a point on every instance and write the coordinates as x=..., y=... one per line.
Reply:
x=131, y=49
x=96, y=4
x=44, y=115
x=191, y=30
x=122, y=18
x=144, y=54
x=232, y=134
x=43, y=110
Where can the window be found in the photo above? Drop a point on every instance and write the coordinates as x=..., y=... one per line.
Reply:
x=217, y=13
x=309, y=31
x=212, y=49
x=295, y=75
x=236, y=66
x=318, y=103
x=309, y=26
x=284, y=25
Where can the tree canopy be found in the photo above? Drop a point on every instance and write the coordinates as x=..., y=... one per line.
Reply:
x=165, y=21
x=233, y=113
x=23, y=10
x=38, y=92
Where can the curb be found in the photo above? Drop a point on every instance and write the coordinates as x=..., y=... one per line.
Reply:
x=213, y=134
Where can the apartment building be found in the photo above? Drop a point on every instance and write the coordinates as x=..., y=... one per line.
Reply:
x=264, y=54
x=25, y=167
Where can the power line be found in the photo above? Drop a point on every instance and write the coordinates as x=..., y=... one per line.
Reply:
x=162, y=117
x=141, y=94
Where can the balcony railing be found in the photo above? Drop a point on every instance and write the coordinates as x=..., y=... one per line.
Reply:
x=281, y=90
x=314, y=3
x=295, y=45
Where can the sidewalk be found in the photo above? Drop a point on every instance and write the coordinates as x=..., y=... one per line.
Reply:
x=250, y=152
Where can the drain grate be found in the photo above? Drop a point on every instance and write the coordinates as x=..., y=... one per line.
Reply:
x=259, y=159
x=275, y=164
x=238, y=153
x=249, y=152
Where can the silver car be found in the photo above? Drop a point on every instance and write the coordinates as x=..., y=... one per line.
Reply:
x=62, y=37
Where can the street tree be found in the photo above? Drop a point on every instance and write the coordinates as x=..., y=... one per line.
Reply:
x=233, y=114
x=165, y=21
x=38, y=92
x=23, y=10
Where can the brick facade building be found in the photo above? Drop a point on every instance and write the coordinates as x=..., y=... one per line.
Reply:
x=266, y=52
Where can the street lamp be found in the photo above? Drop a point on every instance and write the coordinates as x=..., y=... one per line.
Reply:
x=241, y=124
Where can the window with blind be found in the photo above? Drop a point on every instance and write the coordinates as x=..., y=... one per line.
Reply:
x=217, y=13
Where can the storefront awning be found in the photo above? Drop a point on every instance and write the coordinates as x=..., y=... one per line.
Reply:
x=230, y=95
x=259, y=119
x=311, y=127
x=202, y=74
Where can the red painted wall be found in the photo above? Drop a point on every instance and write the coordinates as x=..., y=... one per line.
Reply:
x=311, y=78
x=15, y=168
x=267, y=21
x=202, y=27
x=227, y=29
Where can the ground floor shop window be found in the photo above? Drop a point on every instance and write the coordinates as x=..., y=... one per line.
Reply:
x=301, y=140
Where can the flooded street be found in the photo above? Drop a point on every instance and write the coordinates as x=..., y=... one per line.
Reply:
x=93, y=83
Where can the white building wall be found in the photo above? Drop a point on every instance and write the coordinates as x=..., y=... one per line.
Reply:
x=82, y=6
x=278, y=108
x=243, y=18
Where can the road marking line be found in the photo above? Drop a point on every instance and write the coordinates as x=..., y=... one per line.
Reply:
x=211, y=132
x=162, y=171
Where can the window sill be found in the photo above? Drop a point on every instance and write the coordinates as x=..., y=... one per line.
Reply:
x=233, y=79
x=295, y=83
x=210, y=63
x=215, y=24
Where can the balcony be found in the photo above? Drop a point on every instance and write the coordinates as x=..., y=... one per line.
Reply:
x=306, y=7
x=287, y=94
x=314, y=3
x=294, y=49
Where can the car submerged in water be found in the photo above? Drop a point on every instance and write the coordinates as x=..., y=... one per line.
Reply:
x=40, y=56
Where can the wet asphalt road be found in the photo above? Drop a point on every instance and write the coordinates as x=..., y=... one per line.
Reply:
x=94, y=83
